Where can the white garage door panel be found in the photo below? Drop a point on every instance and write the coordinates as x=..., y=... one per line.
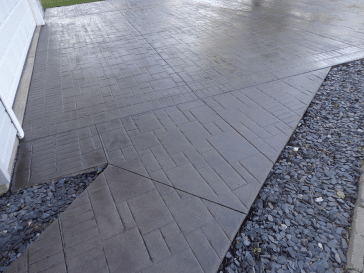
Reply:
x=6, y=8
x=17, y=26
x=7, y=138
x=16, y=33
x=10, y=24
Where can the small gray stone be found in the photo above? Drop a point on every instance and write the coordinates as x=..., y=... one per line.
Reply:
x=304, y=242
x=250, y=259
x=281, y=260
x=337, y=258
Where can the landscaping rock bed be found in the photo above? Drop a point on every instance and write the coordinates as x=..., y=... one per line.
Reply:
x=300, y=221
x=25, y=214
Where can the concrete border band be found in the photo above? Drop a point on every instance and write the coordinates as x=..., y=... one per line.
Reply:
x=355, y=255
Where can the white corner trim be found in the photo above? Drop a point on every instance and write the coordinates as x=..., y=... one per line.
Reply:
x=37, y=14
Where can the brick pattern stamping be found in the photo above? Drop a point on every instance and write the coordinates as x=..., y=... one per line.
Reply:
x=189, y=104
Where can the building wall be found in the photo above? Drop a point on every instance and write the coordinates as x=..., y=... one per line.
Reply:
x=17, y=24
x=7, y=139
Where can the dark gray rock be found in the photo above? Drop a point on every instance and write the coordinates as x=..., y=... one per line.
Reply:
x=250, y=259
x=281, y=260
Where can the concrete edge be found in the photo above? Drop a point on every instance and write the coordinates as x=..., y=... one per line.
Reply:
x=21, y=97
x=4, y=188
x=102, y=165
x=325, y=71
x=355, y=254
x=24, y=84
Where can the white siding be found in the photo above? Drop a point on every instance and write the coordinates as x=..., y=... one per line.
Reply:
x=7, y=136
x=16, y=31
x=7, y=139
x=17, y=25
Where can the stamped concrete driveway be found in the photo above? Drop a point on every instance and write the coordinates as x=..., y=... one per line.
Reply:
x=189, y=103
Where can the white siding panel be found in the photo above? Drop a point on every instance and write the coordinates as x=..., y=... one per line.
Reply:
x=6, y=8
x=17, y=26
x=15, y=36
x=7, y=137
x=10, y=24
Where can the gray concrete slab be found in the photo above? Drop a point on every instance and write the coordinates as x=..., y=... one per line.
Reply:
x=152, y=228
x=190, y=102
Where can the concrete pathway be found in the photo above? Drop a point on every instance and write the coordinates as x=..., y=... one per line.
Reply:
x=127, y=223
x=190, y=104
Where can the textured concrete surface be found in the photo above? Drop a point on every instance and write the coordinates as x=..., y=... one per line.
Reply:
x=197, y=97
x=4, y=188
x=124, y=222
x=355, y=255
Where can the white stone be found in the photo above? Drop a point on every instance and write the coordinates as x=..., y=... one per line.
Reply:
x=295, y=149
x=319, y=199
x=320, y=245
x=340, y=194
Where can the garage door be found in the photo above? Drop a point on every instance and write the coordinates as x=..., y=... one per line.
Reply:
x=16, y=31
x=17, y=26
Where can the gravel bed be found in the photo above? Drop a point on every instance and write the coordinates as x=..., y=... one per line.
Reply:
x=300, y=221
x=25, y=214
